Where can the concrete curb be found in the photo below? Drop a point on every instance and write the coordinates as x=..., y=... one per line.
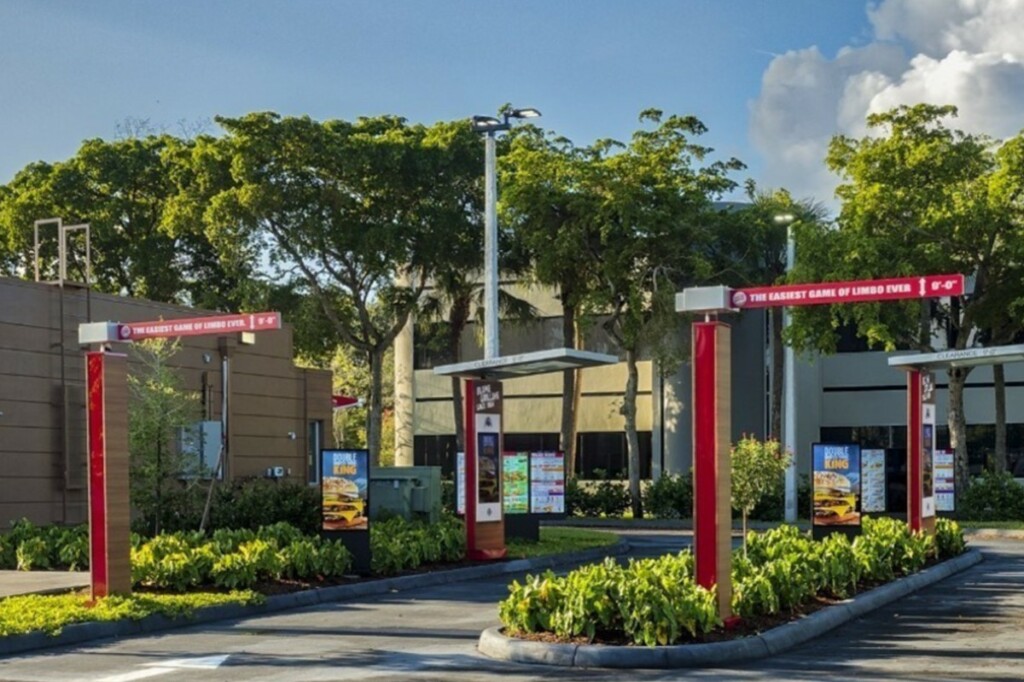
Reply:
x=660, y=524
x=78, y=633
x=496, y=645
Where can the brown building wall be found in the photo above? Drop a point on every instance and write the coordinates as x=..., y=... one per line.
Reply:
x=42, y=416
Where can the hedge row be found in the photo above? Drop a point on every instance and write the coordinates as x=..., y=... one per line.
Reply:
x=656, y=601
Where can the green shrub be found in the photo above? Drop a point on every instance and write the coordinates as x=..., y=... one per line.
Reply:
x=448, y=497
x=670, y=497
x=992, y=497
x=655, y=601
x=238, y=504
x=949, y=539
x=50, y=613
x=650, y=602
x=33, y=554
x=397, y=545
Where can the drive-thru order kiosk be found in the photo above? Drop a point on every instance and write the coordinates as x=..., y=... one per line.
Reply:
x=483, y=396
x=920, y=368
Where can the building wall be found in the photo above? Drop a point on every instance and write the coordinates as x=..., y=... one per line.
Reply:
x=42, y=417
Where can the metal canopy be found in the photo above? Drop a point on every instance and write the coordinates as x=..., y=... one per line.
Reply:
x=527, y=364
x=970, y=357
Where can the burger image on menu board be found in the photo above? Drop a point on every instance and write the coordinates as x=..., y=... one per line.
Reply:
x=343, y=507
x=835, y=503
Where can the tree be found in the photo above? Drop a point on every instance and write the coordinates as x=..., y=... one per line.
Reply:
x=757, y=469
x=544, y=197
x=354, y=215
x=651, y=211
x=159, y=407
x=917, y=198
x=352, y=377
x=122, y=189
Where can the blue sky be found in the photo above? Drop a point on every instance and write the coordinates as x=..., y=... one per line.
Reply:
x=752, y=70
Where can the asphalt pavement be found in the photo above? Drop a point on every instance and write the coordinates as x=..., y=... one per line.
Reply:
x=964, y=628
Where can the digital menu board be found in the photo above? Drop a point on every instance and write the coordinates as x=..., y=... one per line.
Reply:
x=836, y=484
x=945, y=481
x=872, y=465
x=547, y=483
x=344, y=485
x=515, y=482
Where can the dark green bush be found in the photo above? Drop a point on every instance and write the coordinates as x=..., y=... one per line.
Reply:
x=992, y=497
x=670, y=497
x=605, y=498
x=242, y=503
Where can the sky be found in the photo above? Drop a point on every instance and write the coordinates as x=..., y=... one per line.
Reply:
x=773, y=80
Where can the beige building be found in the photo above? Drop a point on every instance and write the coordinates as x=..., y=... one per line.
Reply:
x=277, y=415
x=424, y=418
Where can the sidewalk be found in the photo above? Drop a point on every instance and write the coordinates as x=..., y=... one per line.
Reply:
x=41, y=582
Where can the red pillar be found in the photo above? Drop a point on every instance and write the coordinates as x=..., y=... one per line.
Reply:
x=109, y=506
x=914, y=447
x=469, y=485
x=712, y=398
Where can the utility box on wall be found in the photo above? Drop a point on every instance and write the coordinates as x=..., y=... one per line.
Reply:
x=409, y=492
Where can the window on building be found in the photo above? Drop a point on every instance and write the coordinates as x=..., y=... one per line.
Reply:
x=604, y=455
x=435, y=451
x=314, y=442
x=530, y=442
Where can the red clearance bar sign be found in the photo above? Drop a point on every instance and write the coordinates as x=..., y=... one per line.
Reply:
x=824, y=293
x=199, y=326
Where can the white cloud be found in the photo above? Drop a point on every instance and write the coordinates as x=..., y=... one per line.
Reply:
x=963, y=52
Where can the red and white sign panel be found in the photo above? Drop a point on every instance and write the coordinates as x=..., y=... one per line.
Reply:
x=341, y=402
x=825, y=293
x=199, y=326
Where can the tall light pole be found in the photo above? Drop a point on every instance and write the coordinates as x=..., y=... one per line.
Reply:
x=789, y=382
x=490, y=127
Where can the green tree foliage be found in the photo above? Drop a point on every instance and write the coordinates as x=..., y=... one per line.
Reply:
x=159, y=406
x=757, y=469
x=652, y=205
x=122, y=189
x=355, y=216
x=352, y=378
x=546, y=201
x=917, y=198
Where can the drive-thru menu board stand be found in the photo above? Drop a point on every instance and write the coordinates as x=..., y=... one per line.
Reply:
x=485, y=525
x=533, y=490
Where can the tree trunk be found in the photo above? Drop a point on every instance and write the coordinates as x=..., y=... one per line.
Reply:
x=958, y=424
x=744, y=514
x=632, y=440
x=567, y=436
x=375, y=414
x=775, y=423
x=999, y=387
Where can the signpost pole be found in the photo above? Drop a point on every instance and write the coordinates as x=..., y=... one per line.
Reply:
x=712, y=399
x=107, y=436
x=914, y=448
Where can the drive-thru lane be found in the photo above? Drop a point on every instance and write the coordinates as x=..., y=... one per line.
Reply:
x=966, y=627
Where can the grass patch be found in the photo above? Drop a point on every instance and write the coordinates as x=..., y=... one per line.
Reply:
x=50, y=613
x=560, y=541
x=1003, y=525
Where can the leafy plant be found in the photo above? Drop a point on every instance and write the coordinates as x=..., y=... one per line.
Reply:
x=993, y=497
x=757, y=469
x=32, y=554
x=949, y=539
x=670, y=497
